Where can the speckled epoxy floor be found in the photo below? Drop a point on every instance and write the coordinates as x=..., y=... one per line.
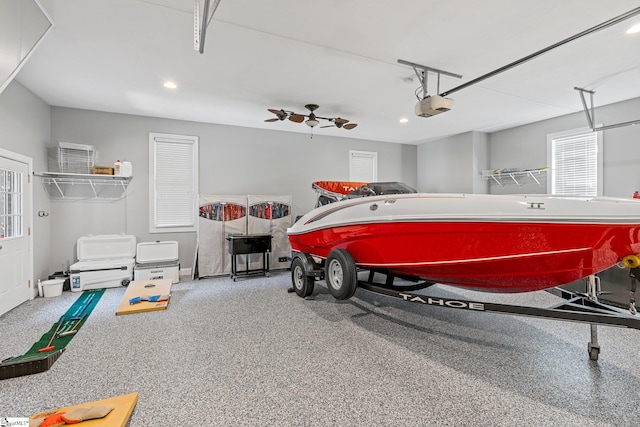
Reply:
x=248, y=353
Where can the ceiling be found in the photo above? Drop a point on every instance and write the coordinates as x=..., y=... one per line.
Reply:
x=115, y=55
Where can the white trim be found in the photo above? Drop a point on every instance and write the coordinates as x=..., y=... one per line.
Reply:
x=28, y=217
x=24, y=60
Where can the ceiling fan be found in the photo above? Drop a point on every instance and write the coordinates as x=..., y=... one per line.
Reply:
x=312, y=120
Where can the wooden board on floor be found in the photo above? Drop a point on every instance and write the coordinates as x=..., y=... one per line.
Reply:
x=119, y=417
x=139, y=288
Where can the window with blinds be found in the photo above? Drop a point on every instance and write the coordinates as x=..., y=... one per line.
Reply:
x=575, y=164
x=363, y=166
x=173, y=189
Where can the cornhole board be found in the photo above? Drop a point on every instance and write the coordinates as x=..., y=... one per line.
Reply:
x=119, y=417
x=138, y=288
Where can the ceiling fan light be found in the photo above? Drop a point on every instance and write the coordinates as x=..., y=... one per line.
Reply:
x=312, y=122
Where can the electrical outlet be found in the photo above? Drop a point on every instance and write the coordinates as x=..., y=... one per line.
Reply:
x=283, y=259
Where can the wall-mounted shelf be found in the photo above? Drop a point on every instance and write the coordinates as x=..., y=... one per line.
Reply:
x=519, y=177
x=76, y=186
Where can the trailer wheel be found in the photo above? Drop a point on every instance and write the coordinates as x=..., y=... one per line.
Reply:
x=302, y=284
x=594, y=351
x=340, y=274
x=125, y=282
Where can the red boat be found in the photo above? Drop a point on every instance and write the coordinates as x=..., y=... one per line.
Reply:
x=493, y=243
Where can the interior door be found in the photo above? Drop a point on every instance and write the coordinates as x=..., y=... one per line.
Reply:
x=14, y=245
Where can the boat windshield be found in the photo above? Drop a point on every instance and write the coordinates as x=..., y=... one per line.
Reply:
x=380, y=188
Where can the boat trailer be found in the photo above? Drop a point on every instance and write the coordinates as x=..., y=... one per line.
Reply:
x=577, y=307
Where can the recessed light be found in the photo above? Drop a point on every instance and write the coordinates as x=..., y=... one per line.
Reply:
x=634, y=29
x=404, y=120
x=170, y=85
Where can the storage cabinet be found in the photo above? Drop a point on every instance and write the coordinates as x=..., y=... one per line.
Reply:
x=221, y=216
x=271, y=215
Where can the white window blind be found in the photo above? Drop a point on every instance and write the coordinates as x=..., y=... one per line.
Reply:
x=363, y=166
x=173, y=189
x=574, y=167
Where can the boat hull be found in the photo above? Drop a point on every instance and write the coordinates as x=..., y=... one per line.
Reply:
x=502, y=254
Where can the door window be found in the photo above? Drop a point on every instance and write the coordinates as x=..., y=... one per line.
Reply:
x=10, y=204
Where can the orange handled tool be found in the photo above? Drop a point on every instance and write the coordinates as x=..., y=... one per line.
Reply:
x=49, y=347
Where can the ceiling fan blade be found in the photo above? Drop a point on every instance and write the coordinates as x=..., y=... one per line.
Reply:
x=276, y=112
x=339, y=120
x=328, y=126
x=349, y=126
x=275, y=119
x=298, y=118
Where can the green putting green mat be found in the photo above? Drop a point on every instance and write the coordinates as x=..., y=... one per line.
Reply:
x=52, y=343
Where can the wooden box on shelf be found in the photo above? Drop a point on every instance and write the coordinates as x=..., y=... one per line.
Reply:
x=102, y=170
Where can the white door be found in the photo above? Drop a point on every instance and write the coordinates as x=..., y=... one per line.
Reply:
x=14, y=242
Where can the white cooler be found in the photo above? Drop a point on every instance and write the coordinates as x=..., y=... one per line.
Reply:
x=104, y=261
x=157, y=260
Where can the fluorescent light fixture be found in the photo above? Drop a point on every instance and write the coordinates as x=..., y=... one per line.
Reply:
x=634, y=29
x=170, y=85
x=404, y=120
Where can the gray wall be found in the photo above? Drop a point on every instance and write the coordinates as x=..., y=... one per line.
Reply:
x=233, y=160
x=236, y=160
x=453, y=164
x=525, y=147
x=24, y=129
